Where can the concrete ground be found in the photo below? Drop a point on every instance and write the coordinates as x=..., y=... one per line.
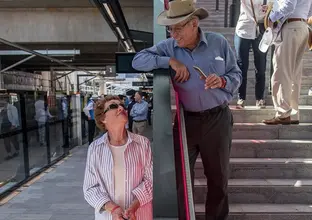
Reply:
x=56, y=195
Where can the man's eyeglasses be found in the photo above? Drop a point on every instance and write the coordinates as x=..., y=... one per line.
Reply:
x=171, y=30
x=114, y=106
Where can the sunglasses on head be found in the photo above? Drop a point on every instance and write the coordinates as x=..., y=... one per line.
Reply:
x=114, y=106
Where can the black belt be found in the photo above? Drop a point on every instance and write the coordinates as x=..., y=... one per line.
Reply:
x=139, y=121
x=208, y=111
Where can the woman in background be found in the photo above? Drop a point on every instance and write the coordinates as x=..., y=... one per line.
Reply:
x=248, y=34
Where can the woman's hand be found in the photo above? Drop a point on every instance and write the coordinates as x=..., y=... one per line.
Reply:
x=264, y=8
x=130, y=212
x=117, y=214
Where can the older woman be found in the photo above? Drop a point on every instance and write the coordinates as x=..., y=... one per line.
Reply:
x=118, y=176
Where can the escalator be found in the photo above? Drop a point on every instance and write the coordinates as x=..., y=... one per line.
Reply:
x=172, y=180
x=172, y=187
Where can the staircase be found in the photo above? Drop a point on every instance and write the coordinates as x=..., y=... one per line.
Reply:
x=270, y=166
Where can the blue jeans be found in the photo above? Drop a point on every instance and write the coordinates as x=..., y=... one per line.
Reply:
x=242, y=47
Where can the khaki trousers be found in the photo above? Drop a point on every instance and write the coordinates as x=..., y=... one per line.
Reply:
x=288, y=64
x=138, y=127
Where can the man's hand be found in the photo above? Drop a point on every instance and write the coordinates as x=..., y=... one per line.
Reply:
x=182, y=73
x=213, y=81
x=270, y=23
x=130, y=212
x=310, y=20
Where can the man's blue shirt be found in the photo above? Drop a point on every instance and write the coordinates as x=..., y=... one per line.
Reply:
x=212, y=54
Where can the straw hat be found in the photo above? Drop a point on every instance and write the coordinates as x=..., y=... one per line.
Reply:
x=180, y=10
x=266, y=17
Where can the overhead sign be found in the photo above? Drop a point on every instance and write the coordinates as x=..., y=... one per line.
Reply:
x=17, y=80
x=149, y=83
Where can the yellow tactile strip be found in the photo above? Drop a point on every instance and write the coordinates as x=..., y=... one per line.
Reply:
x=32, y=181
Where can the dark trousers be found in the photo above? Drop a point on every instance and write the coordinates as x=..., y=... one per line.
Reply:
x=242, y=47
x=130, y=121
x=91, y=130
x=7, y=143
x=10, y=139
x=209, y=134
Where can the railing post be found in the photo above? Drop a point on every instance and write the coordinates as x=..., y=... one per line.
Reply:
x=234, y=12
x=226, y=13
x=217, y=5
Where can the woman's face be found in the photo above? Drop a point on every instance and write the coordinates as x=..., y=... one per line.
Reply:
x=114, y=114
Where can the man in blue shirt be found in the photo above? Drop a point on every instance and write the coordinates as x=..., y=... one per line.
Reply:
x=139, y=113
x=208, y=118
x=89, y=112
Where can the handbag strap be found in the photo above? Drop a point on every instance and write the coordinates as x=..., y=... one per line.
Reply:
x=253, y=11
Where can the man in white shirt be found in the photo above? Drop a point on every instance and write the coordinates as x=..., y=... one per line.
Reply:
x=42, y=116
x=288, y=58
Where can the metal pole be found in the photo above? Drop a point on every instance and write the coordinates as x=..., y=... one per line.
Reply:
x=41, y=55
x=217, y=5
x=271, y=68
x=18, y=63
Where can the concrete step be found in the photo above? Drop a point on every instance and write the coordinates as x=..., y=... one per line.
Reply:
x=251, y=100
x=263, y=212
x=250, y=114
x=265, y=168
x=260, y=131
x=255, y=191
x=249, y=148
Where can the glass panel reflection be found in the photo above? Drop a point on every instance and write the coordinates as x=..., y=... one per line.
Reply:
x=11, y=152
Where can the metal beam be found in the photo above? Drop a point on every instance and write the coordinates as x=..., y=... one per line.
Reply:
x=44, y=52
x=113, y=14
x=18, y=63
x=87, y=80
x=40, y=55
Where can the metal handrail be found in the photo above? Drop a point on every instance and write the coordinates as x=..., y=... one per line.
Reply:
x=190, y=209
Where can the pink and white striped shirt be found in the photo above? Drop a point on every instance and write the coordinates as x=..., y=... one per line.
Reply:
x=98, y=184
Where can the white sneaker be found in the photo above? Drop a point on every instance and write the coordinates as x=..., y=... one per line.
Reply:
x=310, y=92
x=260, y=104
x=240, y=104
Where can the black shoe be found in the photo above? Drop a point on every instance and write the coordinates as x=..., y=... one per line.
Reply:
x=8, y=157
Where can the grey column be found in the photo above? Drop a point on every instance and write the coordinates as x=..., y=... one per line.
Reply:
x=165, y=192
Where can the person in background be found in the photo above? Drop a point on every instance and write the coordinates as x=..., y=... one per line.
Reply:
x=118, y=180
x=42, y=117
x=89, y=112
x=150, y=108
x=9, y=123
x=130, y=118
x=288, y=59
x=139, y=113
x=208, y=118
x=248, y=33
